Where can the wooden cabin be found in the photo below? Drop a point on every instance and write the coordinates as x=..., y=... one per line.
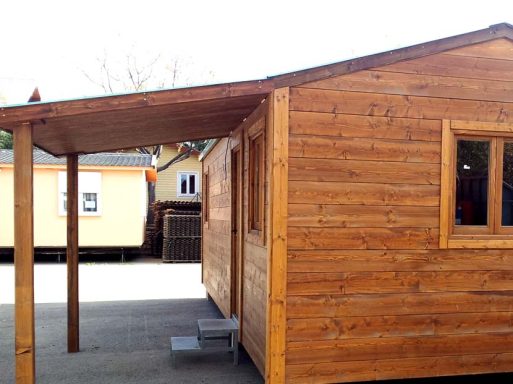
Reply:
x=357, y=216
x=358, y=222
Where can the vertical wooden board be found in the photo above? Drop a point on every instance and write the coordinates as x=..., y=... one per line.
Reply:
x=446, y=174
x=72, y=253
x=277, y=269
x=24, y=255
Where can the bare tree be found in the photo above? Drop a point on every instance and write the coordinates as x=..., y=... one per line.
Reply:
x=134, y=73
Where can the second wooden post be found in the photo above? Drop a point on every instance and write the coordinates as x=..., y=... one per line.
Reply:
x=72, y=253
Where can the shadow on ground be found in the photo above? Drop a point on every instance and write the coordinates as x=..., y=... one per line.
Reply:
x=122, y=342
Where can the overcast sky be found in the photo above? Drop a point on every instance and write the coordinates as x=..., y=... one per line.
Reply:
x=52, y=43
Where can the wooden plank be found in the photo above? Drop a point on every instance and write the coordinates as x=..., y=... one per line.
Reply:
x=316, y=283
x=351, y=327
x=360, y=216
x=311, y=283
x=360, y=171
x=398, y=304
x=383, y=369
x=315, y=192
x=24, y=255
x=480, y=243
x=375, y=104
x=485, y=128
x=397, y=347
x=440, y=281
x=380, y=59
x=495, y=49
x=277, y=255
x=364, y=149
x=375, y=127
x=447, y=185
x=396, y=83
x=342, y=260
x=72, y=254
x=362, y=238
x=456, y=66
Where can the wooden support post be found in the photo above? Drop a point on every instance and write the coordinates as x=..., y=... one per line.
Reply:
x=72, y=253
x=277, y=257
x=24, y=254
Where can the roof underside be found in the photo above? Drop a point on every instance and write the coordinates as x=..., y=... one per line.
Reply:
x=140, y=119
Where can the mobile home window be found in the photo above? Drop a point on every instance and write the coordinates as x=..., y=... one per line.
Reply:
x=476, y=207
x=89, y=193
x=187, y=184
x=256, y=182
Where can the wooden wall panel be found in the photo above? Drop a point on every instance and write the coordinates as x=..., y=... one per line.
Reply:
x=363, y=193
x=254, y=302
x=217, y=243
x=216, y=239
x=305, y=169
x=370, y=295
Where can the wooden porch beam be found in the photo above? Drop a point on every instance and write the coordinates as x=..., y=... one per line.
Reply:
x=24, y=255
x=277, y=256
x=72, y=253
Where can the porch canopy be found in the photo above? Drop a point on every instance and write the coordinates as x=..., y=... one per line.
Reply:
x=100, y=124
x=110, y=123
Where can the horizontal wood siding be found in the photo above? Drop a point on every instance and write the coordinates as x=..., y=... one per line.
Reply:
x=370, y=294
x=216, y=239
x=217, y=256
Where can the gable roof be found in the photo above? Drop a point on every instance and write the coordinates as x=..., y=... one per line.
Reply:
x=131, y=120
x=98, y=159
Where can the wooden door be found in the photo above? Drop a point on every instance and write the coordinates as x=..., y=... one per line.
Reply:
x=237, y=265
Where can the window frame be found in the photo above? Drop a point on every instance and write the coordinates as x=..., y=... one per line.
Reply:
x=256, y=186
x=179, y=183
x=494, y=234
x=83, y=189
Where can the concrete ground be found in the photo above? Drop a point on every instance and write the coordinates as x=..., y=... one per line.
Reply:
x=121, y=341
x=148, y=279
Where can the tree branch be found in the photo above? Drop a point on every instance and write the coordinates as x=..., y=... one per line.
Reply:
x=176, y=159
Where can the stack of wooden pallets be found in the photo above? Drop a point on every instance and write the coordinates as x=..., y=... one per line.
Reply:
x=182, y=238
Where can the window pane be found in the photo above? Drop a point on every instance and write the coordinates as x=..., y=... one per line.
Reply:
x=183, y=184
x=192, y=184
x=507, y=185
x=256, y=183
x=472, y=182
x=90, y=202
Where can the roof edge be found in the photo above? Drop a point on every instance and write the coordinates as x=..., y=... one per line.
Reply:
x=211, y=144
x=496, y=31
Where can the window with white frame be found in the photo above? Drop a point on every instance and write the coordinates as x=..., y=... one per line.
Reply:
x=187, y=184
x=89, y=193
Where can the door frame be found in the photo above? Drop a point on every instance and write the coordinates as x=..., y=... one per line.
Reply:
x=237, y=224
